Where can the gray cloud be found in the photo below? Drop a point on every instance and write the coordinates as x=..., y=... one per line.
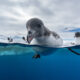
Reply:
x=56, y=14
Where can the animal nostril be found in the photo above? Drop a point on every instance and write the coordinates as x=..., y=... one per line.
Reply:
x=30, y=32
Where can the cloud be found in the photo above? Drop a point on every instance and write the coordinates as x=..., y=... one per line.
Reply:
x=56, y=14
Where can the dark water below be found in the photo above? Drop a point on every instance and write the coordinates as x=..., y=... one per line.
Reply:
x=16, y=63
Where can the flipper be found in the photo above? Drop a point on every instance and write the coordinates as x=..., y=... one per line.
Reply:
x=36, y=56
x=73, y=51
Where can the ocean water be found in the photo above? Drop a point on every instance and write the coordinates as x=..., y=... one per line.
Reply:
x=16, y=63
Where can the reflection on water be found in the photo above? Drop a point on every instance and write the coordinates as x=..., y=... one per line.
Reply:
x=21, y=49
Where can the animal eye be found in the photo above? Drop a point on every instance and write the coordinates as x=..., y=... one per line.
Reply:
x=39, y=26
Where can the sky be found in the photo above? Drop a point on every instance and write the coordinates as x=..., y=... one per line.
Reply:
x=57, y=15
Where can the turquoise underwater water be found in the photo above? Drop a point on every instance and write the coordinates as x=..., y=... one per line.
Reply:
x=16, y=63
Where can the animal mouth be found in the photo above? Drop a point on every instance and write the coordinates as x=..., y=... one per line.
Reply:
x=29, y=39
